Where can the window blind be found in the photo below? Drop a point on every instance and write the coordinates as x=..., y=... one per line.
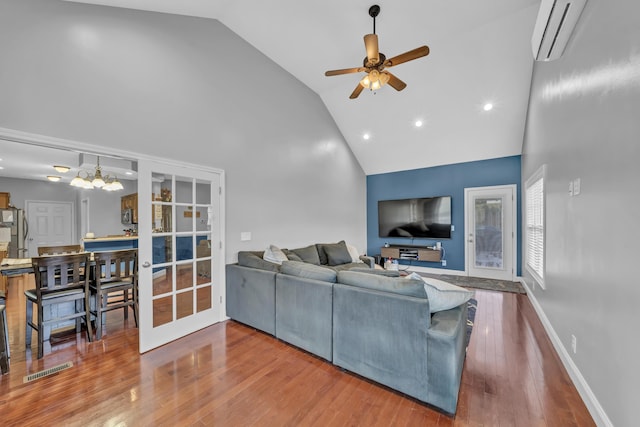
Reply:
x=535, y=226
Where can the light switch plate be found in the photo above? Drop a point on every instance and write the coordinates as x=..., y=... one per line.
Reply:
x=576, y=186
x=245, y=236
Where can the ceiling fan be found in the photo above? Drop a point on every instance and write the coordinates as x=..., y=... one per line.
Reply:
x=375, y=62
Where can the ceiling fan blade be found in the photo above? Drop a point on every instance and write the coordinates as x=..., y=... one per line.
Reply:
x=407, y=56
x=356, y=92
x=396, y=83
x=371, y=44
x=344, y=71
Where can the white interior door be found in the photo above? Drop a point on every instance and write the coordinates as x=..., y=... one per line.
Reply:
x=490, y=227
x=50, y=224
x=181, y=263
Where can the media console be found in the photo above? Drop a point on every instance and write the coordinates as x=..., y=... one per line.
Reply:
x=410, y=252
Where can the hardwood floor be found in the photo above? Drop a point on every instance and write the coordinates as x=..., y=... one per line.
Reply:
x=232, y=375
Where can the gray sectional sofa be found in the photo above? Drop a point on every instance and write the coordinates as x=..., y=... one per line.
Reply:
x=356, y=317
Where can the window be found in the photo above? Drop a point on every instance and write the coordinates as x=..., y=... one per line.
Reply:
x=534, y=193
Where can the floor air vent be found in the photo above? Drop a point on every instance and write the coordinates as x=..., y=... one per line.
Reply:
x=47, y=372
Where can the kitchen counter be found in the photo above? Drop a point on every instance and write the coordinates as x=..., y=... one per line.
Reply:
x=110, y=238
x=110, y=243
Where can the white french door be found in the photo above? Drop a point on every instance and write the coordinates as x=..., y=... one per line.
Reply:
x=490, y=220
x=181, y=263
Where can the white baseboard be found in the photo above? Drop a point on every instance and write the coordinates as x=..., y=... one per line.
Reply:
x=593, y=405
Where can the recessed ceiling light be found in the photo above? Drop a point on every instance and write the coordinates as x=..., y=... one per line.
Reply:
x=488, y=106
x=128, y=173
x=366, y=136
x=1, y=167
x=53, y=178
x=418, y=123
x=62, y=169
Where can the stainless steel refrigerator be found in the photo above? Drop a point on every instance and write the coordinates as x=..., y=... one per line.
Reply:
x=15, y=220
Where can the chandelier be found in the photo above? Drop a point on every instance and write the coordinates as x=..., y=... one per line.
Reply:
x=96, y=180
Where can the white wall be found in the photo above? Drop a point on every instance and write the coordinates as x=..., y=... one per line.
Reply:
x=187, y=89
x=583, y=123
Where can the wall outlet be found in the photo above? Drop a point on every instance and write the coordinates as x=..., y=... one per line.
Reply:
x=444, y=262
x=574, y=344
x=245, y=236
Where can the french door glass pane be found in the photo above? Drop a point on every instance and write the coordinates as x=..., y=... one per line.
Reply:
x=162, y=310
x=204, y=299
x=184, y=304
x=184, y=276
x=488, y=232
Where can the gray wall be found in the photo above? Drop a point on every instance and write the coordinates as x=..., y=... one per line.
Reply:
x=583, y=123
x=187, y=89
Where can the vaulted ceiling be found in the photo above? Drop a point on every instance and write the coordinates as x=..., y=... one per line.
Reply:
x=480, y=53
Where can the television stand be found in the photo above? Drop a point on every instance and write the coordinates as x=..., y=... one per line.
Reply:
x=411, y=252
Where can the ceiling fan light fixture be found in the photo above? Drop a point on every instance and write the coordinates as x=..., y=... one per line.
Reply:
x=375, y=62
x=365, y=82
x=384, y=78
x=53, y=178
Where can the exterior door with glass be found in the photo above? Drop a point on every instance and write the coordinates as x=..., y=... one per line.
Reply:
x=181, y=267
x=490, y=229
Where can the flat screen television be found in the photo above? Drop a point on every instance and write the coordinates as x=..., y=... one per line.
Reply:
x=427, y=217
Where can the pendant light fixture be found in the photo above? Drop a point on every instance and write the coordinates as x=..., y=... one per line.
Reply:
x=96, y=180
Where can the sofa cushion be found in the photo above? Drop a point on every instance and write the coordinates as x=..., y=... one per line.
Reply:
x=338, y=250
x=274, y=254
x=442, y=295
x=337, y=254
x=308, y=271
x=350, y=266
x=255, y=260
x=397, y=285
x=379, y=272
x=308, y=254
x=292, y=255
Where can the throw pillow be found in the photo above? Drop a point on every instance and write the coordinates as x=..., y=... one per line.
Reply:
x=355, y=256
x=443, y=295
x=275, y=255
x=337, y=254
x=308, y=254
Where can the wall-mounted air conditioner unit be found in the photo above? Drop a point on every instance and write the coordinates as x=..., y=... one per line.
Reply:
x=555, y=23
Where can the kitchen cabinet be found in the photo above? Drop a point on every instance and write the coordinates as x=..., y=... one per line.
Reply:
x=5, y=198
x=130, y=202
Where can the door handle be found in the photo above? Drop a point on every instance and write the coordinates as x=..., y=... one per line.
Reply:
x=146, y=264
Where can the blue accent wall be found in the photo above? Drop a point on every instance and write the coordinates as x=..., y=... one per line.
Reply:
x=448, y=180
